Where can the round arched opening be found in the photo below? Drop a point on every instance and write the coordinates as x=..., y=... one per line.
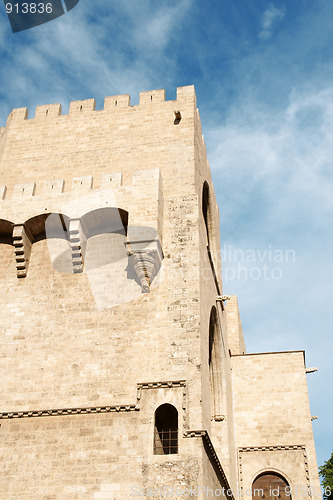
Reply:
x=166, y=430
x=269, y=486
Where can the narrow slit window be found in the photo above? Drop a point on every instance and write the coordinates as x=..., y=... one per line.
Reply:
x=206, y=211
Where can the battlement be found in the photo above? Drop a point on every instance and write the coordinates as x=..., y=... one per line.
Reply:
x=30, y=199
x=87, y=141
x=111, y=104
x=78, y=185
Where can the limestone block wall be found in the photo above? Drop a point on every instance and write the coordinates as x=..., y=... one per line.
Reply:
x=220, y=425
x=273, y=430
x=86, y=142
x=76, y=346
x=124, y=156
x=97, y=455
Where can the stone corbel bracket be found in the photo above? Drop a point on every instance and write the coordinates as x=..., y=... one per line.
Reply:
x=23, y=240
x=145, y=257
x=219, y=418
x=78, y=241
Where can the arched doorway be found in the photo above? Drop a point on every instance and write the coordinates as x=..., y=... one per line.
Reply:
x=269, y=486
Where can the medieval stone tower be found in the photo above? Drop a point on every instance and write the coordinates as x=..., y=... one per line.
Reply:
x=123, y=366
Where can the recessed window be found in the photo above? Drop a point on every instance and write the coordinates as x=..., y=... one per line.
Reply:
x=270, y=486
x=205, y=207
x=207, y=215
x=215, y=364
x=166, y=430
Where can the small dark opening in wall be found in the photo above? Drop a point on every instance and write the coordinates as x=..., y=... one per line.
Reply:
x=205, y=207
x=166, y=430
x=81, y=107
x=47, y=112
x=116, y=103
x=178, y=117
x=151, y=98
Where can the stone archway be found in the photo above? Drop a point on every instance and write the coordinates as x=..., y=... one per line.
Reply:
x=269, y=486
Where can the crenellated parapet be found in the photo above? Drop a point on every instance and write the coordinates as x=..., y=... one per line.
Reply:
x=111, y=105
x=134, y=210
x=86, y=193
x=58, y=150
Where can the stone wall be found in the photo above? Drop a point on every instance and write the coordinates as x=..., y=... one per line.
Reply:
x=273, y=429
x=86, y=356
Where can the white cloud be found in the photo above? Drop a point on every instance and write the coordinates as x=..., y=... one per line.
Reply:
x=289, y=154
x=273, y=174
x=269, y=18
x=76, y=57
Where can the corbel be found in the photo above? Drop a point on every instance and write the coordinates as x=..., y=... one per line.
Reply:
x=146, y=259
x=78, y=241
x=23, y=240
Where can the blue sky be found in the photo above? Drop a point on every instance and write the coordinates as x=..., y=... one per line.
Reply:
x=263, y=74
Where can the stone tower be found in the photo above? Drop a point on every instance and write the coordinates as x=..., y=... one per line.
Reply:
x=123, y=366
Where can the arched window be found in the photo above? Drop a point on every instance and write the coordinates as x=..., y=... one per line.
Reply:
x=269, y=486
x=215, y=364
x=166, y=430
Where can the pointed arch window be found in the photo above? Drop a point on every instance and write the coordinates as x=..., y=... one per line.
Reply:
x=166, y=430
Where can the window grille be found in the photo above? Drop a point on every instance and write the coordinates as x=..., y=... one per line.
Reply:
x=166, y=442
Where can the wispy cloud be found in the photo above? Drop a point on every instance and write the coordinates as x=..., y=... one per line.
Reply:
x=273, y=174
x=269, y=18
x=289, y=155
x=76, y=57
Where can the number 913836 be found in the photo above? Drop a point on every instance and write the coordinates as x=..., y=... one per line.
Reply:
x=29, y=8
